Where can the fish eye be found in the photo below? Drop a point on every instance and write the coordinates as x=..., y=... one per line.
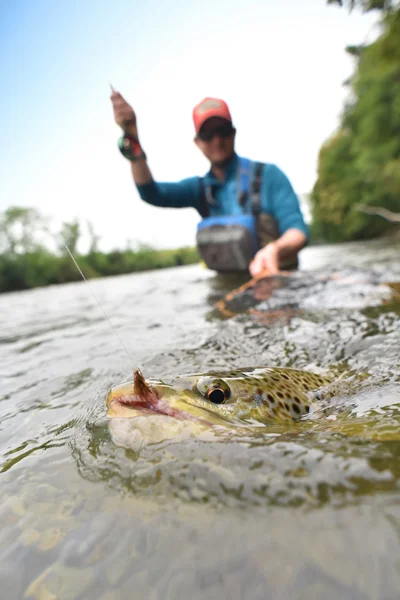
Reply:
x=214, y=390
x=216, y=395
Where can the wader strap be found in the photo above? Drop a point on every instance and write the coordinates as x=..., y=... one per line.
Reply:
x=243, y=176
x=204, y=206
x=256, y=189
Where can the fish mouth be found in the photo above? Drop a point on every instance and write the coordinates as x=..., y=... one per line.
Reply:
x=150, y=405
x=142, y=398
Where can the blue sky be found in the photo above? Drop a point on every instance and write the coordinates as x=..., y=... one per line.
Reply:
x=279, y=65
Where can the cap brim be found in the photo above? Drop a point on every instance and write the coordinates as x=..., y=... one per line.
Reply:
x=213, y=114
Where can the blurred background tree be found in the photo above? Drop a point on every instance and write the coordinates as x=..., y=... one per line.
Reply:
x=366, y=5
x=360, y=163
x=21, y=230
x=27, y=262
x=69, y=236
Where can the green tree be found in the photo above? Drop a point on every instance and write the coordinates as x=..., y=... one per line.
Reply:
x=26, y=263
x=69, y=236
x=366, y=5
x=21, y=230
x=94, y=239
x=360, y=163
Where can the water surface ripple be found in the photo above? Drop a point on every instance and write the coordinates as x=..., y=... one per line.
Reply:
x=307, y=510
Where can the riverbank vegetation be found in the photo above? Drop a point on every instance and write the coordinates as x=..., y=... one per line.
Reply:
x=360, y=163
x=26, y=261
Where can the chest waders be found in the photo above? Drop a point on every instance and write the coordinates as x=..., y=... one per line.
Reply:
x=229, y=242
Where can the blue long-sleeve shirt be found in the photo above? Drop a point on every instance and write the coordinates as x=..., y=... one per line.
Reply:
x=277, y=196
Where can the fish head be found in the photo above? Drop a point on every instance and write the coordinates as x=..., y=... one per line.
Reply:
x=222, y=398
x=182, y=399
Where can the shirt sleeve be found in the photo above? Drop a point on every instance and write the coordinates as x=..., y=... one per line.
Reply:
x=181, y=194
x=279, y=199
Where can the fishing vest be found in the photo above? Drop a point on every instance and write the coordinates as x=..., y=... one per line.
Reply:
x=229, y=242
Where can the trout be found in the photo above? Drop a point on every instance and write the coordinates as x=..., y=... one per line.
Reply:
x=221, y=398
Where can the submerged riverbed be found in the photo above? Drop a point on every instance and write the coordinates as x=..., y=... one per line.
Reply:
x=307, y=510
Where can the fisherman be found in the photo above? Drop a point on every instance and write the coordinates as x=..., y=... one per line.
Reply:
x=251, y=218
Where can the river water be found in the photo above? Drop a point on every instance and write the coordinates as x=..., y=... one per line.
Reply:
x=309, y=510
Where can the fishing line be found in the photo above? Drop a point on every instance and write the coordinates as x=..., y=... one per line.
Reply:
x=100, y=306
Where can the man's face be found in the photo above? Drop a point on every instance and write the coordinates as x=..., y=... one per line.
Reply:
x=216, y=139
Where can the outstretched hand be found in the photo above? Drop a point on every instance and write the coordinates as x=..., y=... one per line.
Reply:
x=124, y=114
x=266, y=259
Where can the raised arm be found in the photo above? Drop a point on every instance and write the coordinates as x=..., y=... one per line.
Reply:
x=125, y=117
x=173, y=195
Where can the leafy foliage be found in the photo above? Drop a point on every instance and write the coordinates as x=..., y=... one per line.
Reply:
x=360, y=163
x=21, y=230
x=69, y=236
x=366, y=5
x=26, y=263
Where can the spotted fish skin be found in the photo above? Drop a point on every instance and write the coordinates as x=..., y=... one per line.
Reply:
x=254, y=393
x=262, y=393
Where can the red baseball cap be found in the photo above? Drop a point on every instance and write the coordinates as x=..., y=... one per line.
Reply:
x=207, y=108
